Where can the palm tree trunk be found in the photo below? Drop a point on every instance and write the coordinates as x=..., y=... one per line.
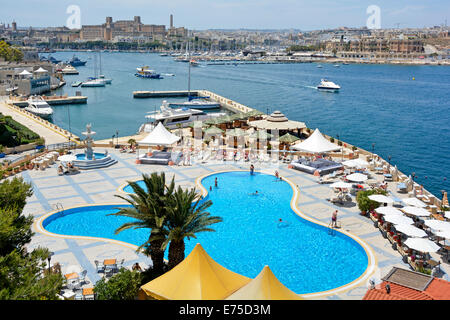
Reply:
x=176, y=252
x=157, y=256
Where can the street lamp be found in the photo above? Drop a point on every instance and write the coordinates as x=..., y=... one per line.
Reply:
x=389, y=159
x=112, y=139
x=50, y=254
x=373, y=150
x=117, y=137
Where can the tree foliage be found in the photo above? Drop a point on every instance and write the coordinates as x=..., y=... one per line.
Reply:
x=10, y=53
x=122, y=286
x=364, y=203
x=23, y=274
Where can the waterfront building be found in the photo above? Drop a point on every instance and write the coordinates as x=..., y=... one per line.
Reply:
x=25, y=79
x=119, y=29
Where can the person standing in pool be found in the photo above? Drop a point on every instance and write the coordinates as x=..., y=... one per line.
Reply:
x=252, y=169
x=215, y=183
x=277, y=175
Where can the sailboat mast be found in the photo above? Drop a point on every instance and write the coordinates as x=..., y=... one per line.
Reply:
x=100, y=60
x=189, y=73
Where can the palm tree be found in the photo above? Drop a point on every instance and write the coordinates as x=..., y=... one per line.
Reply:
x=148, y=208
x=186, y=217
x=132, y=142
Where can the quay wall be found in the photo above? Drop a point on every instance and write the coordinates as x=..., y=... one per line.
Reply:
x=45, y=123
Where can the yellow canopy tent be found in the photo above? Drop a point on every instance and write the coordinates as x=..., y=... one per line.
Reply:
x=197, y=277
x=264, y=287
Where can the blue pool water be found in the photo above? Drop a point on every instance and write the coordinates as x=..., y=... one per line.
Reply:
x=140, y=183
x=82, y=156
x=406, y=119
x=304, y=256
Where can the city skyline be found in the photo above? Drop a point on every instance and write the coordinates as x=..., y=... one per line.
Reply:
x=233, y=14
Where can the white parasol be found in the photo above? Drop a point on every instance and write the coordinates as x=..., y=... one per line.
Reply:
x=67, y=158
x=389, y=211
x=357, y=177
x=398, y=219
x=414, y=202
x=422, y=245
x=416, y=211
x=380, y=198
x=437, y=224
x=341, y=184
x=410, y=231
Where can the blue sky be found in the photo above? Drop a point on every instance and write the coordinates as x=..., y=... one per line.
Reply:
x=231, y=14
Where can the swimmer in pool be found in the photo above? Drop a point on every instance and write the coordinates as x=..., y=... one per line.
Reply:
x=210, y=188
x=254, y=193
x=215, y=183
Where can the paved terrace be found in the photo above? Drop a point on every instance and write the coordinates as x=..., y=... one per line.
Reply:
x=100, y=185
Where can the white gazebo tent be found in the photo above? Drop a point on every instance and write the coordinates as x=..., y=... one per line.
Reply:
x=159, y=136
x=40, y=70
x=25, y=74
x=316, y=143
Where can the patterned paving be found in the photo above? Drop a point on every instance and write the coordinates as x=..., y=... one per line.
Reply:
x=100, y=186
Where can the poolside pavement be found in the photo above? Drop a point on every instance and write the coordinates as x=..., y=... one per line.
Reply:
x=100, y=186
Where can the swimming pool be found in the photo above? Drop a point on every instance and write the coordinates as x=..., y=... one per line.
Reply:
x=303, y=255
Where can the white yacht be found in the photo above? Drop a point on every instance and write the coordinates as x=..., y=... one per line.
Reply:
x=93, y=83
x=327, y=85
x=69, y=70
x=174, y=118
x=196, y=104
x=38, y=106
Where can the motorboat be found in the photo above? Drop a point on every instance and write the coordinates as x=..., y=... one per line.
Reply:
x=336, y=65
x=76, y=83
x=327, y=85
x=199, y=103
x=69, y=70
x=38, y=106
x=75, y=62
x=319, y=66
x=194, y=63
x=51, y=59
x=145, y=72
x=93, y=83
x=163, y=55
x=173, y=118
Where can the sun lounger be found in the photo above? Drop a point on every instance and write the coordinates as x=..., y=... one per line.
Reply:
x=401, y=187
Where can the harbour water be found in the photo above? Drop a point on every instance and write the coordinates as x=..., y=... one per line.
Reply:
x=402, y=110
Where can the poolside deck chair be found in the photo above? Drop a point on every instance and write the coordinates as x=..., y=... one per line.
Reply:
x=83, y=276
x=99, y=266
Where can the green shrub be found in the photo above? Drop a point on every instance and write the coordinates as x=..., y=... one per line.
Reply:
x=364, y=203
x=122, y=286
x=354, y=148
x=339, y=143
x=332, y=140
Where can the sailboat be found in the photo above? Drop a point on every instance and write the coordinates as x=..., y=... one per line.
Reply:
x=94, y=81
x=101, y=76
x=195, y=102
